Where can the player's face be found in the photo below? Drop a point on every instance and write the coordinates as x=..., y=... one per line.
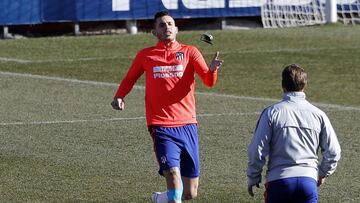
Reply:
x=165, y=29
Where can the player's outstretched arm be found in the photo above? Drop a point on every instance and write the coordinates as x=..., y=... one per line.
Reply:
x=207, y=72
x=118, y=104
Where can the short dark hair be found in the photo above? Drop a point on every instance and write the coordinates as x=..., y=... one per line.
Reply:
x=160, y=14
x=294, y=78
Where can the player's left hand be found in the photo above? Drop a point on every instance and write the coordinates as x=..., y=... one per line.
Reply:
x=250, y=189
x=216, y=62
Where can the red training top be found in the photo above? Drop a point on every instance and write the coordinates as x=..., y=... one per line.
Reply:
x=170, y=82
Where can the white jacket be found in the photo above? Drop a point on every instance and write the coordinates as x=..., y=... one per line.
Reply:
x=290, y=134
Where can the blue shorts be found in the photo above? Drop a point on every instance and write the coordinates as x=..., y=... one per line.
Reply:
x=295, y=190
x=177, y=147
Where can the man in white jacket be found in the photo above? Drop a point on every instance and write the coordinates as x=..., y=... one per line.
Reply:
x=289, y=134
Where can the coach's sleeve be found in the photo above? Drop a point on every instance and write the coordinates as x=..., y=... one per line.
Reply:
x=330, y=149
x=258, y=149
x=135, y=71
x=208, y=77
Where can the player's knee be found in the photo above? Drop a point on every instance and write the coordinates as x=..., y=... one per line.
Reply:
x=173, y=174
x=174, y=171
x=191, y=194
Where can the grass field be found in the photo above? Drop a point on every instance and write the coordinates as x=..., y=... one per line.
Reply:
x=62, y=142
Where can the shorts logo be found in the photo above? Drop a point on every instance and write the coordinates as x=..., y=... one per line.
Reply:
x=163, y=159
x=179, y=56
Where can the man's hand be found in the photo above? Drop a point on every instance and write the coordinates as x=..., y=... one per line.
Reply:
x=250, y=189
x=118, y=104
x=321, y=180
x=216, y=62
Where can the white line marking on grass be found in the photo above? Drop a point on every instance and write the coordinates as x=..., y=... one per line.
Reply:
x=71, y=121
x=333, y=106
x=79, y=59
x=4, y=59
x=236, y=97
x=227, y=114
x=14, y=60
x=265, y=51
x=112, y=119
x=280, y=50
x=42, y=77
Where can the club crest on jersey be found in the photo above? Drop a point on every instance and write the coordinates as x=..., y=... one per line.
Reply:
x=179, y=56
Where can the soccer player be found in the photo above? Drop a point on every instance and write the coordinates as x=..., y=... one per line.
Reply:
x=170, y=69
x=290, y=133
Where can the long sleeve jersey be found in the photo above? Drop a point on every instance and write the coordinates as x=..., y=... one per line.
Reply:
x=290, y=133
x=170, y=82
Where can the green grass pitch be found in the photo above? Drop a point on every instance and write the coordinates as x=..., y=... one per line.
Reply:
x=60, y=141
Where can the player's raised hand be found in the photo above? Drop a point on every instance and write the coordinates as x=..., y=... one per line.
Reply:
x=118, y=104
x=216, y=62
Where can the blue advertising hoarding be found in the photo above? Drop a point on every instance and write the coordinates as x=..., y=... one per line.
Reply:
x=15, y=12
x=89, y=10
x=39, y=11
x=58, y=10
